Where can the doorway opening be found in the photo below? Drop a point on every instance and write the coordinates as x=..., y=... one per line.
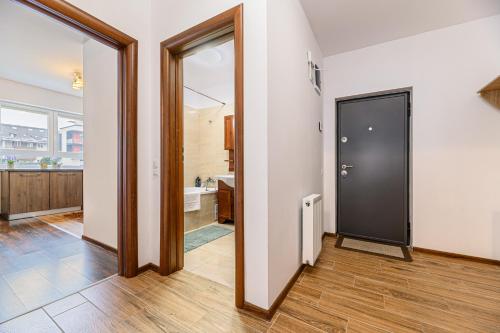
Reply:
x=200, y=207
x=58, y=234
x=208, y=146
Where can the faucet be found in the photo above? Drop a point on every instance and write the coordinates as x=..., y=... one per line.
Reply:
x=208, y=182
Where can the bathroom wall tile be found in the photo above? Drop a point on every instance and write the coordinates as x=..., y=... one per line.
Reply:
x=204, y=153
x=191, y=145
x=212, y=153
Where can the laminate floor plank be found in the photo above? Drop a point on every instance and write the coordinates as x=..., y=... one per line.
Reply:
x=86, y=318
x=306, y=294
x=314, y=316
x=407, y=294
x=346, y=291
x=218, y=299
x=355, y=326
x=431, y=316
x=69, y=222
x=380, y=318
x=361, y=295
x=287, y=324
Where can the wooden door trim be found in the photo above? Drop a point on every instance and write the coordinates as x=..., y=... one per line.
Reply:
x=127, y=48
x=172, y=186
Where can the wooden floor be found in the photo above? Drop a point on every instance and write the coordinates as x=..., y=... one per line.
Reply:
x=69, y=222
x=40, y=264
x=347, y=292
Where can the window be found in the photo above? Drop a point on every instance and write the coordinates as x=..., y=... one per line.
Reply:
x=22, y=130
x=70, y=135
x=29, y=133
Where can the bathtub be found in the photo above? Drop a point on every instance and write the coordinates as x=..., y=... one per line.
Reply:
x=200, y=207
x=201, y=190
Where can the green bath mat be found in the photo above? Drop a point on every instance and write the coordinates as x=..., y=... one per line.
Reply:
x=202, y=236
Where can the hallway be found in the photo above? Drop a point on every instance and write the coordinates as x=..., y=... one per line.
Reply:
x=347, y=292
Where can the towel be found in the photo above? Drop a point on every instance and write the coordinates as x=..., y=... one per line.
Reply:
x=191, y=202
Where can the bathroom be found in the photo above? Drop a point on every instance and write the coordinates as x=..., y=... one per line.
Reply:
x=206, y=162
x=208, y=151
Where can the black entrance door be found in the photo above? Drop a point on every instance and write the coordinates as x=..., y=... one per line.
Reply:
x=372, y=167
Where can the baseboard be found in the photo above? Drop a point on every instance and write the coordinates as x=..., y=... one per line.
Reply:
x=329, y=234
x=457, y=255
x=102, y=245
x=268, y=314
x=147, y=267
x=11, y=217
x=256, y=311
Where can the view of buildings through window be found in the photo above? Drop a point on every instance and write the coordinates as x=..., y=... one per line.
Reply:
x=22, y=130
x=28, y=134
x=70, y=134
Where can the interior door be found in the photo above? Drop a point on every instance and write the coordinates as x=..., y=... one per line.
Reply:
x=372, y=167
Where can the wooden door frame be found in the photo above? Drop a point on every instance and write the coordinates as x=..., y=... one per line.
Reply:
x=172, y=182
x=127, y=48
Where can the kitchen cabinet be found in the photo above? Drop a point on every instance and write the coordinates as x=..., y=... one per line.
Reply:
x=66, y=189
x=38, y=192
x=28, y=192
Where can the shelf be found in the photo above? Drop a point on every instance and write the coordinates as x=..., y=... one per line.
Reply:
x=491, y=92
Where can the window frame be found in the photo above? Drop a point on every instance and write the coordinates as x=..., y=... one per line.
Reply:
x=52, y=131
x=56, y=139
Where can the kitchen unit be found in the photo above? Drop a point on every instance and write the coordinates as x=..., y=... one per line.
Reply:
x=35, y=192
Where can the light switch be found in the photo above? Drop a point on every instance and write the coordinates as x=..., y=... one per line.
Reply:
x=156, y=168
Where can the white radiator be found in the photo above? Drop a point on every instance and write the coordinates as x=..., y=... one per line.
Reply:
x=312, y=228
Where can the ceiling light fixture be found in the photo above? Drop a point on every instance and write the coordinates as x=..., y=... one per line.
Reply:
x=77, y=81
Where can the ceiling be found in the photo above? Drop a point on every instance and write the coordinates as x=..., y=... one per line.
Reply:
x=346, y=25
x=210, y=72
x=38, y=50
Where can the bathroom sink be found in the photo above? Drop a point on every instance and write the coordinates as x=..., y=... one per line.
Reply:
x=228, y=179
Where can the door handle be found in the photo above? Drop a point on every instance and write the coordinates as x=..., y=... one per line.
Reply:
x=346, y=166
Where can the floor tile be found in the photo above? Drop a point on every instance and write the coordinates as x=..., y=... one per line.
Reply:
x=64, y=304
x=32, y=288
x=40, y=264
x=34, y=322
x=214, y=260
x=65, y=279
x=10, y=304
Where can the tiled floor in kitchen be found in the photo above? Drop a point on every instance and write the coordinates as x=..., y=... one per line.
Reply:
x=40, y=263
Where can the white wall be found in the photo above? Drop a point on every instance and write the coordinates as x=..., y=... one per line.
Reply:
x=23, y=93
x=167, y=22
x=133, y=18
x=100, y=103
x=456, y=134
x=295, y=143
